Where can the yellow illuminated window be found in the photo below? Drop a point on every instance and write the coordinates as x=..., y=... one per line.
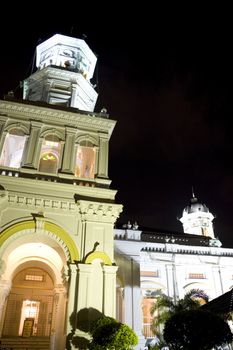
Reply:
x=85, y=162
x=50, y=154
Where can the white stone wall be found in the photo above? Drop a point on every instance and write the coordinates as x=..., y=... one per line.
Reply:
x=163, y=267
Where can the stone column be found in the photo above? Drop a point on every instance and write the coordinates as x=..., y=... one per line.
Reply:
x=45, y=96
x=86, y=290
x=109, y=291
x=5, y=288
x=96, y=160
x=68, y=161
x=133, y=303
x=74, y=94
x=174, y=278
x=120, y=314
x=84, y=300
x=37, y=152
x=170, y=282
x=29, y=160
x=180, y=281
x=72, y=303
x=57, y=331
x=217, y=281
x=2, y=123
x=62, y=143
x=103, y=156
x=4, y=133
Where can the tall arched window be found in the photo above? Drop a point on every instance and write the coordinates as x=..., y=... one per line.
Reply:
x=12, y=151
x=85, y=160
x=149, y=300
x=50, y=154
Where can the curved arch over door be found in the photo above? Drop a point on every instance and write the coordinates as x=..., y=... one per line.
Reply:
x=36, y=252
x=47, y=226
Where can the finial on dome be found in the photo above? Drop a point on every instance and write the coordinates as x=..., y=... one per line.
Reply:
x=193, y=199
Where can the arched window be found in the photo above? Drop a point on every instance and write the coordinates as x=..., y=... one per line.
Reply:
x=149, y=301
x=50, y=154
x=85, y=160
x=13, y=147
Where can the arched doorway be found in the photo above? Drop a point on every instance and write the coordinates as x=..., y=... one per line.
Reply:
x=29, y=309
x=34, y=281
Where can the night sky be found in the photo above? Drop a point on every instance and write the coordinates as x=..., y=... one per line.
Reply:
x=168, y=84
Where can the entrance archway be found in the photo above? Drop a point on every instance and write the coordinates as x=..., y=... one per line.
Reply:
x=31, y=299
x=35, y=259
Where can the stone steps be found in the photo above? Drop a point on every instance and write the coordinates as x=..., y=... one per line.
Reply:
x=24, y=343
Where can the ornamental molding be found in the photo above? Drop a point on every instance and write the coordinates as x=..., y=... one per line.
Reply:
x=40, y=233
x=24, y=126
x=46, y=114
x=35, y=202
x=50, y=191
x=67, y=76
x=101, y=212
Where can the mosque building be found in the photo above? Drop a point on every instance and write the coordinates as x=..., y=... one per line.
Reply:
x=62, y=258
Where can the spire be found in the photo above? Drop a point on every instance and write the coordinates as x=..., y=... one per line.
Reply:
x=193, y=199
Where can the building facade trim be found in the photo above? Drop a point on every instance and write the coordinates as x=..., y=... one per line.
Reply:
x=59, y=232
x=47, y=115
x=98, y=255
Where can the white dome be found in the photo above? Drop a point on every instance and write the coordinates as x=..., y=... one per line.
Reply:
x=195, y=206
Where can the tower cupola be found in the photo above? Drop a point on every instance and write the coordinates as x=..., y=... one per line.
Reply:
x=65, y=67
x=197, y=219
x=59, y=143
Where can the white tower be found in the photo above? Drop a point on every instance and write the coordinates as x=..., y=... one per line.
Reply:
x=57, y=212
x=197, y=219
x=65, y=67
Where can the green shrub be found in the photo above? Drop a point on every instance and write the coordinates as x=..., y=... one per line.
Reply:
x=109, y=334
x=100, y=322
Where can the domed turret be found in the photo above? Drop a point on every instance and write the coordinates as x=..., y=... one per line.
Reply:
x=197, y=219
x=65, y=67
x=195, y=206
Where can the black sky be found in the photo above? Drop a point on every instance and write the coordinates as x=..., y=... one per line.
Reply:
x=166, y=77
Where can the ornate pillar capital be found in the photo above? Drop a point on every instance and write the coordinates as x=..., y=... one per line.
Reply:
x=97, y=211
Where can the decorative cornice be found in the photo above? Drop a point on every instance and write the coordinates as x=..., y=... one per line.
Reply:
x=36, y=202
x=47, y=191
x=194, y=250
x=57, y=72
x=56, y=116
x=94, y=211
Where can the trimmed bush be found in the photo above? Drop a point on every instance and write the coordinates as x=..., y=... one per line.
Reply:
x=109, y=334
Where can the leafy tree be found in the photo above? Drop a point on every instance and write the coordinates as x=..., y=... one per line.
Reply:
x=109, y=334
x=165, y=307
x=196, y=330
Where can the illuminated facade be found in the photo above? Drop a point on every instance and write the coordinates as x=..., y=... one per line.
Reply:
x=61, y=260
x=57, y=211
x=65, y=67
x=155, y=262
